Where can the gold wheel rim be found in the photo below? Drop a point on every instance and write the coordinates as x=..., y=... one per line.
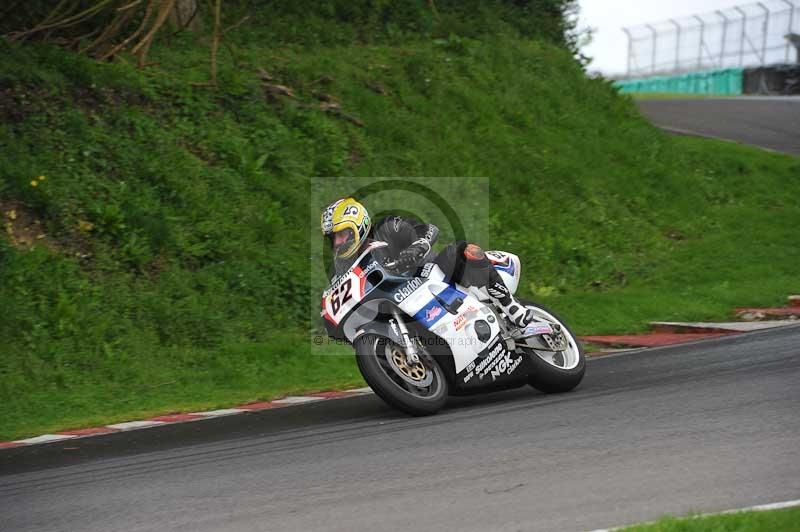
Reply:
x=415, y=372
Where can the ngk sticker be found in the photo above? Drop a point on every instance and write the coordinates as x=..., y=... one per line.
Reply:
x=499, y=361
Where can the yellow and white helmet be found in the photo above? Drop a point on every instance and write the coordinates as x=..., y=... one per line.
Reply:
x=346, y=223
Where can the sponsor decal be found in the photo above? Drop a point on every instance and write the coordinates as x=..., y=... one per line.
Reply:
x=462, y=319
x=366, y=271
x=339, y=281
x=501, y=261
x=327, y=217
x=408, y=289
x=395, y=328
x=505, y=365
x=494, y=351
x=499, y=361
x=432, y=313
x=470, y=372
x=426, y=270
x=538, y=328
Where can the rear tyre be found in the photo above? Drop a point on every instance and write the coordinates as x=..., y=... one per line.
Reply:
x=556, y=372
x=417, y=389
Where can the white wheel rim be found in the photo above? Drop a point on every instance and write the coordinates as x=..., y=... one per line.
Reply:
x=567, y=359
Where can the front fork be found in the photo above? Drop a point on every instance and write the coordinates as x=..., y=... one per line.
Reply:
x=412, y=354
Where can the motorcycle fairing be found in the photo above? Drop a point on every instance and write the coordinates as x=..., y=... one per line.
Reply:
x=427, y=305
x=431, y=302
x=346, y=291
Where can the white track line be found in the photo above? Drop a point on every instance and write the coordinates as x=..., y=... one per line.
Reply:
x=46, y=438
x=757, y=508
x=296, y=400
x=220, y=412
x=364, y=390
x=131, y=425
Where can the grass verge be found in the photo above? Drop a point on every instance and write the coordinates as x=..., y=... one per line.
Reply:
x=234, y=375
x=787, y=520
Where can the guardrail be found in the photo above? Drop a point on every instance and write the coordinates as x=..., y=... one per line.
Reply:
x=742, y=36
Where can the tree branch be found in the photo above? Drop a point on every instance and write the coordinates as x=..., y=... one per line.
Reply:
x=432, y=4
x=144, y=44
x=110, y=31
x=215, y=40
x=116, y=49
x=63, y=23
x=234, y=26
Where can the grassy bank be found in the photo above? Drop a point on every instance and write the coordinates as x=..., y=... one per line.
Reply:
x=163, y=262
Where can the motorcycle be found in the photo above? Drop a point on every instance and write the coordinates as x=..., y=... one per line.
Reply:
x=419, y=338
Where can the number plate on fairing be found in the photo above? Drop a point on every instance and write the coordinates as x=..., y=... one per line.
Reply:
x=343, y=295
x=346, y=291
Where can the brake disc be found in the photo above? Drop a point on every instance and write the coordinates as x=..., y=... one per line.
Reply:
x=556, y=342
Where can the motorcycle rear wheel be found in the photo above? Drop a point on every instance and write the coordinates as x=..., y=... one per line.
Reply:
x=560, y=371
x=419, y=390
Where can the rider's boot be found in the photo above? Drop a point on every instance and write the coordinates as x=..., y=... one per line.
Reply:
x=517, y=313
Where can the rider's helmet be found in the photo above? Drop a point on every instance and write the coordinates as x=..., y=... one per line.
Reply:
x=346, y=224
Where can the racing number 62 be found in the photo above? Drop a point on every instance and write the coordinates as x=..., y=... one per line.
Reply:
x=344, y=292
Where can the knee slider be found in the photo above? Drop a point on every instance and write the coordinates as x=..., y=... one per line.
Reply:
x=474, y=252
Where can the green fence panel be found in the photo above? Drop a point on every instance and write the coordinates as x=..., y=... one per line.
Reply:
x=728, y=81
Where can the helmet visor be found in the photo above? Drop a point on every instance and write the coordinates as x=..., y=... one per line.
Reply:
x=342, y=242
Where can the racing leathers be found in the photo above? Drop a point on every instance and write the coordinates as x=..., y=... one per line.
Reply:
x=410, y=243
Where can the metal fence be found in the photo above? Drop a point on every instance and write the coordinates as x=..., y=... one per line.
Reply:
x=741, y=36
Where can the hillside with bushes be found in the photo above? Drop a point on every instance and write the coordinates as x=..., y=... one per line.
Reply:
x=155, y=254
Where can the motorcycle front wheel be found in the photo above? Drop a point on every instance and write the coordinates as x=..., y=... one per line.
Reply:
x=556, y=371
x=418, y=389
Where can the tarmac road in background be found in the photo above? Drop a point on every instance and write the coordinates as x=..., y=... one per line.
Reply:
x=772, y=122
x=696, y=427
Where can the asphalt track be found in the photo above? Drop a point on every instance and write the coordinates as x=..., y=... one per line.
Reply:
x=707, y=426
x=771, y=122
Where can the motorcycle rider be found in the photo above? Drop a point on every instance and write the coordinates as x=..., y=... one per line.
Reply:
x=347, y=226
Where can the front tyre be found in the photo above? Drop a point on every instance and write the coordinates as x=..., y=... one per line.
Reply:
x=417, y=389
x=559, y=371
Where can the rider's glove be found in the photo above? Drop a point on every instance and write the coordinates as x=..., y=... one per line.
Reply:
x=413, y=254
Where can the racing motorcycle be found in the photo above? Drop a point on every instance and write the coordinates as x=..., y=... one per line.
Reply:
x=419, y=338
